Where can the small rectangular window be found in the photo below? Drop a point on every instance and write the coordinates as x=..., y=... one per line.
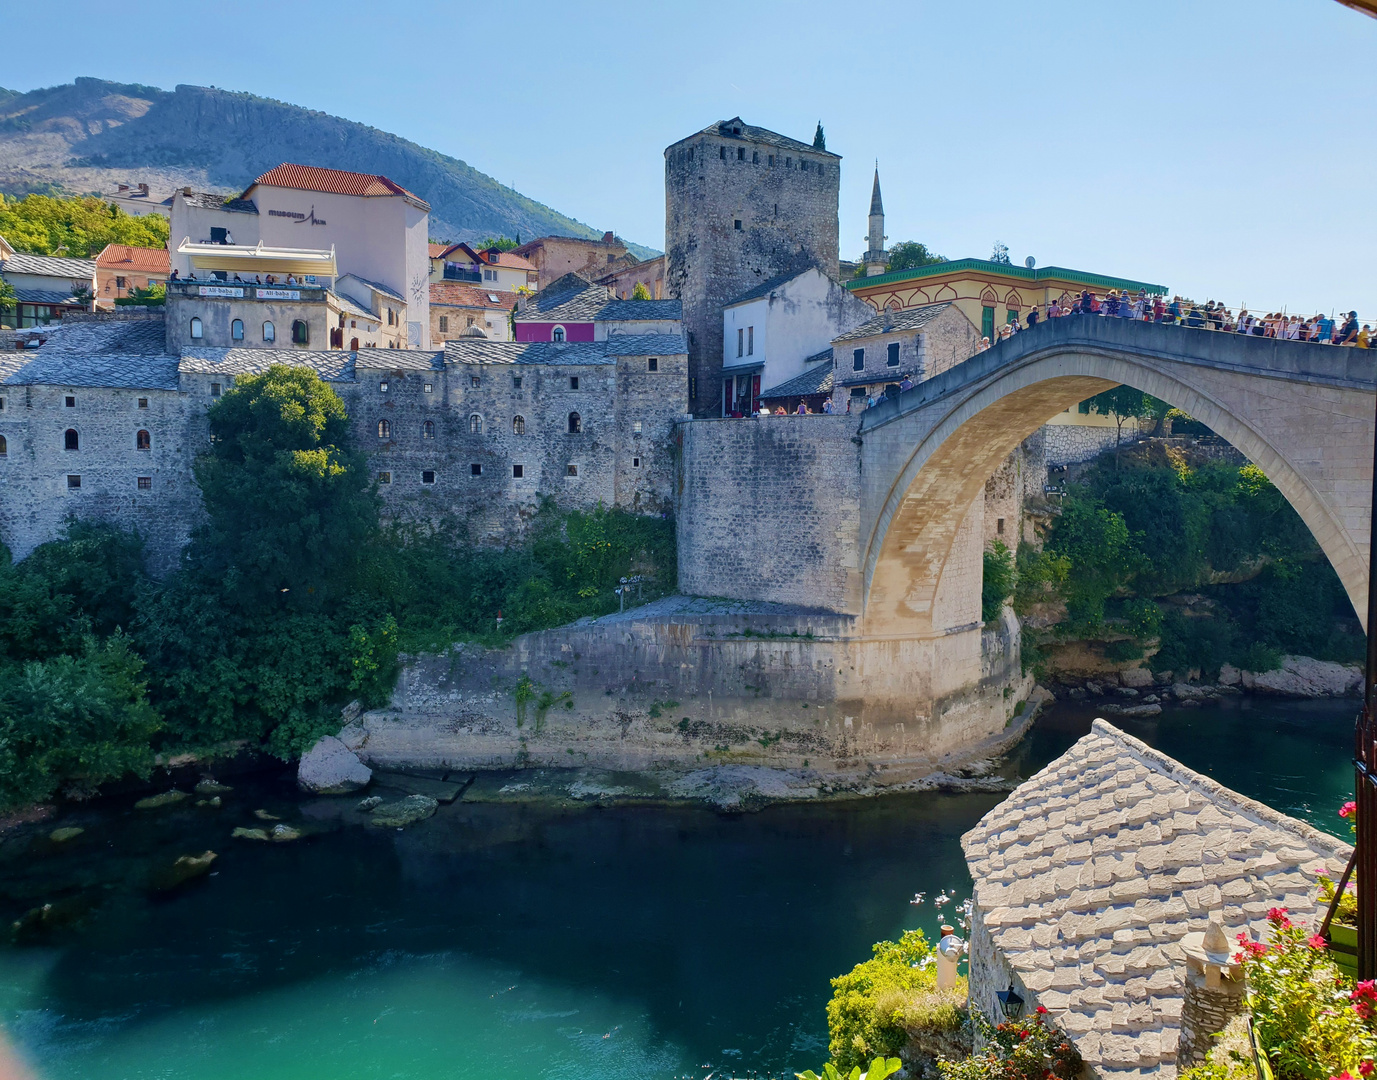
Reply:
x=518, y=471
x=444, y=324
x=516, y=382
x=2, y=404
x=636, y=427
x=772, y=161
x=475, y=469
x=71, y=402
x=750, y=341
x=73, y=481
x=635, y=463
x=143, y=403
x=428, y=477
x=858, y=360
x=892, y=359
x=999, y=526
x=573, y=382
x=740, y=153
x=382, y=387
x=573, y=470
x=384, y=478
x=145, y=483
x=119, y=282
x=474, y=381
x=755, y=157
x=215, y=389
x=722, y=152
x=736, y=224
x=740, y=342
x=427, y=388
x=653, y=364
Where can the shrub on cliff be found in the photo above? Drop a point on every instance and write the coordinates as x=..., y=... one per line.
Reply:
x=1026, y=1049
x=878, y=1005
x=997, y=584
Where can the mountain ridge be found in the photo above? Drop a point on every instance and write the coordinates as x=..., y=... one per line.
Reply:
x=91, y=134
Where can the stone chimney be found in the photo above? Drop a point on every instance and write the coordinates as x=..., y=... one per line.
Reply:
x=1214, y=991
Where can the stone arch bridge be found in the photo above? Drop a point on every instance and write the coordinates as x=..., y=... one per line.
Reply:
x=878, y=517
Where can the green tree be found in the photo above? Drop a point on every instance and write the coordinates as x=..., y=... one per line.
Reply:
x=819, y=139
x=1096, y=544
x=1000, y=254
x=640, y=292
x=8, y=300
x=75, y=227
x=290, y=509
x=997, y=582
x=501, y=243
x=1123, y=403
x=910, y=254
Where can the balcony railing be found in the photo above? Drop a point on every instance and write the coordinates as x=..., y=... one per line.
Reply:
x=243, y=290
x=454, y=273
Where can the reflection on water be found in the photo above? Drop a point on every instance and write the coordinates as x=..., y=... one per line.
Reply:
x=503, y=941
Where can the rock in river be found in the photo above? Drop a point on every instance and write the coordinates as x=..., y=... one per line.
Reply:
x=404, y=811
x=211, y=786
x=167, y=798
x=69, y=832
x=331, y=768
x=184, y=869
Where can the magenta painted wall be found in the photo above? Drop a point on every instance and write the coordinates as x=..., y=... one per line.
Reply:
x=540, y=331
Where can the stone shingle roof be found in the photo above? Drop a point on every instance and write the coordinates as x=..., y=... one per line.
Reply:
x=330, y=365
x=399, y=360
x=736, y=128
x=478, y=351
x=47, y=296
x=889, y=322
x=1092, y=871
x=89, y=337
x=575, y=299
x=104, y=354
x=48, y=266
x=208, y=200
x=386, y=290
x=816, y=380
x=765, y=287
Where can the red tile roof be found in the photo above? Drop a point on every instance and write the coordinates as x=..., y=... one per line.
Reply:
x=437, y=250
x=456, y=294
x=330, y=181
x=512, y=262
x=144, y=260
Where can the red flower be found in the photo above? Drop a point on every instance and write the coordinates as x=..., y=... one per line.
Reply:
x=1348, y=809
x=1317, y=942
x=1364, y=1068
x=1277, y=917
x=1024, y=1035
x=1345, y=1075
x=1364, y=1011
x=1042, y=1008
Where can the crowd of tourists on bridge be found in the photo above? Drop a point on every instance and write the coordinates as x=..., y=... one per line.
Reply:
x=1318, y=329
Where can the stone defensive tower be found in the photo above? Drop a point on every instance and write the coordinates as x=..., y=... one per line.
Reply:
x=742, y=205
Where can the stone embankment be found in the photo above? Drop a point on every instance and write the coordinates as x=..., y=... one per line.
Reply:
x=1139, y=692
x=693, y=699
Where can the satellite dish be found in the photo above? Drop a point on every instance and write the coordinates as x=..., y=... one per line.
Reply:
x=1030, y=262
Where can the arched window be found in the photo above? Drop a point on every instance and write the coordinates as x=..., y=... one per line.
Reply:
x=197, y=331
x=475, y=424
x=4, y=447
x=557, y=334
x=353, y=344
x=70, y=440
x=142, y=441
x=301, y=333
x=428, y=430
x=518, y=425
x=575, y=424
x=237, y=330
x=384, y=429
x=269, y=332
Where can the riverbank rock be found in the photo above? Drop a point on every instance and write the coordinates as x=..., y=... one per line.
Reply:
x=1132, y=710
x=211, y=786
x=1305, y=677
x=167, y=798
x=1229, y=675
x=69, y=832
x=331, y=768
x=731, y=787
x=403, y=812
x=1137, y=678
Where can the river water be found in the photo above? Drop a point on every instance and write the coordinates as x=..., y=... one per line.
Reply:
x=502, y=941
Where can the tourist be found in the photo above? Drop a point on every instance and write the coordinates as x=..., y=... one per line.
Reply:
x=1364, y=337
x=802, y=409
x=827, y=406
x=175, y=276
x=905, y=384
x=781, y=411
x=984, y=344
x=1032, y=317
x=1348, y=333
x=1324, y=329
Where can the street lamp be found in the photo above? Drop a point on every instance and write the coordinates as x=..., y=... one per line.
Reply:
x=1010, y=1002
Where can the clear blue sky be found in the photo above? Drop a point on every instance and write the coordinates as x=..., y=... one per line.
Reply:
x=1225, y=148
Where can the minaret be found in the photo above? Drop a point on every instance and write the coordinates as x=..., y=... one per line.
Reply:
x=876, y=257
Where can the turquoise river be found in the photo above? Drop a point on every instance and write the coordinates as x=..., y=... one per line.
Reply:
x=502, y=941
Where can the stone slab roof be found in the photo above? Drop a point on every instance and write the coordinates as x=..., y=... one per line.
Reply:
x=739, y=129
x=137, y=371
x=765, y=287
x=816, y=380
x=479, y=351
x=48, y=266
x=889, y=322
x=1092, y=871
x=330, y=365
x=575, y=299
x=46, y=296
x=399, y=360
x=82, y=338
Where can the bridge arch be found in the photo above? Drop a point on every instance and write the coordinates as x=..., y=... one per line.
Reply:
x=1302, y=413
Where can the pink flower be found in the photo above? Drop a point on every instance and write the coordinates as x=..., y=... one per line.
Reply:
x=1348, y=809
x=1315, y=941
x=1277, y=915
x=1364, y=1068
x=1342, y=1076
